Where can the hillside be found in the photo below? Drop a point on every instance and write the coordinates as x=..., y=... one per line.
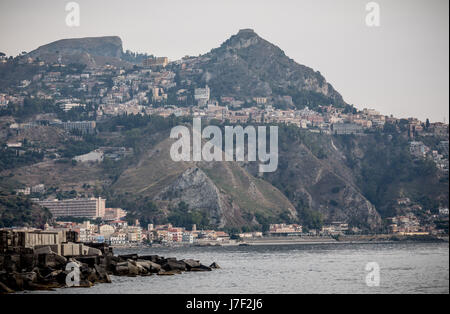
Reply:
x=19, y=211
x=248, y=66
x=91, y=51
x=225, y=192
x=321, y=177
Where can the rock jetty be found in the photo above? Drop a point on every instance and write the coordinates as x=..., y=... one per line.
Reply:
x=46, y=267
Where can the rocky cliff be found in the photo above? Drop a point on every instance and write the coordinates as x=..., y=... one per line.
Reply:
x=92, y=51
x=225, y=192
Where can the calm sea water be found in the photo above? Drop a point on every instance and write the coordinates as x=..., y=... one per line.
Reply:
x=318, y=268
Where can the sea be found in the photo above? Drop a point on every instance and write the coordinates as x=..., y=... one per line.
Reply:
x=337, y=268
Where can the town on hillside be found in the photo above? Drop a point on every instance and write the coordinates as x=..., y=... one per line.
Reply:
x=85, y=97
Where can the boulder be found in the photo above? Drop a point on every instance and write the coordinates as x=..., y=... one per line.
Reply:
x=93, y=276
x=11, y=263
x=43, y=250
x=52, y=260
x=133, y=270
x=15, y=281
x=5, y=289
x=29, y=277
x=145, y=264
x=201, y=268
x=214, y=266
x=121, y=270
x=42, y=287
x=85, y=284
x=190, y=263
x=149, y=265
x=61, y=277
x=28, y=261
x=102, y=274
x=142, y=270
x=169, y=273
x=37, y=271
x=94, y=252
x=54, y=277
x=61, y=260
x=172, y=264
x=128, y=256
x=126, y=269
x=88, y=260
x=109, y=262
x=152, y=258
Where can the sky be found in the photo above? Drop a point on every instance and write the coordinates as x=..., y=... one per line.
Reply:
x=400, y=67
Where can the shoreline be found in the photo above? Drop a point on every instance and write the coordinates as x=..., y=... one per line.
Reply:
x=43, y=268
x=269, y=241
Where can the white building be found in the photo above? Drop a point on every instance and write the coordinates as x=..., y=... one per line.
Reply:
x=118, y=238
x=81, y=208
x=106, y=230
x=95, y=156
x=68, y=107
x=188, y=237
x=202, y=95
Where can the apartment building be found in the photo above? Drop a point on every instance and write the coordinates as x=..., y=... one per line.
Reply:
x=155, y=62
x=79, y=208
x=84, y=127
x=347, y=128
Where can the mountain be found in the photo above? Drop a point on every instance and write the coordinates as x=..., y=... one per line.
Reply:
x=247, y=66
x=314, y=175
x=225, y=192
x=91, y=51
x=320, y=177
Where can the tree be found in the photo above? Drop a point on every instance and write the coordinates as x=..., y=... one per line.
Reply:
x=310, y=219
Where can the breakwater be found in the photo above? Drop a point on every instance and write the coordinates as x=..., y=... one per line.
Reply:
x=70, y=264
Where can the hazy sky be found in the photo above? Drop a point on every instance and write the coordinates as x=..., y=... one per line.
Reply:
x=400, y=68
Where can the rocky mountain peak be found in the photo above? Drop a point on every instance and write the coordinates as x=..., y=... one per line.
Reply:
x=247, y=65
x=92, y=51
x=243, y=39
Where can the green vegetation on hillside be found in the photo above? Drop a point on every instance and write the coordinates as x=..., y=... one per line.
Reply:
x=10, y=158
x=387, y=172
x=19, y=211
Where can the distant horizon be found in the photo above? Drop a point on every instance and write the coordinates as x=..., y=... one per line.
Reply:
x=399, y=68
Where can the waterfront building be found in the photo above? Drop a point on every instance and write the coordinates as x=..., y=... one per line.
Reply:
x=188, y=237
x=106, y=230
x=79, y=208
